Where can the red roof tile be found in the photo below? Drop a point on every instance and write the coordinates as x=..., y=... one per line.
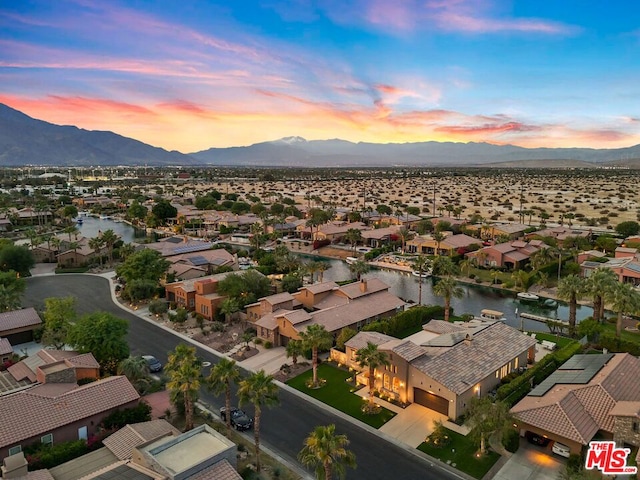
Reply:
x=26, y=317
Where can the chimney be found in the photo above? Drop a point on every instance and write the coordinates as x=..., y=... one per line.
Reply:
x=363, y=285
x=468, y=339
x=14, y=466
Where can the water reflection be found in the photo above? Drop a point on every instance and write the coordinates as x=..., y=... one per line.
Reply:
x=92, y=226
x=475, y=298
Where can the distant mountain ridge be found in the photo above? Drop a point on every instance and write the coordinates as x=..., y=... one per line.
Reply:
x=27, y=141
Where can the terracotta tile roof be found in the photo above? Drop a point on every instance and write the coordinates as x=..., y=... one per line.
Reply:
x=440, y=326
x=626, y=409
x=461, y=366
x=25, y=414
x=26, y=369
x=26, y=317
x=320, y=287
x=373, y=285
x=221, y=470
x=36, y=475
x=296, y=316
x=122, y=442
x=269, y=321
x=587, y=407
x=5, y=347
x=83, y=360
x=361, y=339
x=278, y=298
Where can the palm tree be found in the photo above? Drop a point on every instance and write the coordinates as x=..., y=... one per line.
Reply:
x=259, y=390
x=136, y=369
x=571, y=288
x=109, y=238
x=370, y=357
x=322, y=267
x=438, y=237
x=624, y=299
x=219, y=381
x=495, y=274
x=228, y=307
x=327, y=453
x=520, y=278
x=359, y=268
x=96, y=244
x=183, y=369
x=465, y=265
x=353, y=236
x=487, y=417
x=599, y=283
x=256, y=234
x=314, y=338
x=421, y=264
x=447, y=287
x=312, y=268
x=295, y=348
x=70, y=230
x=405, y=235
x=126, y=250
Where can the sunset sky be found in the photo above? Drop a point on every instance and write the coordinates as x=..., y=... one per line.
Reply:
x=191, y=75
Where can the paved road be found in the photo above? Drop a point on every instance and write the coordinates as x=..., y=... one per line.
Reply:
x=283, y=428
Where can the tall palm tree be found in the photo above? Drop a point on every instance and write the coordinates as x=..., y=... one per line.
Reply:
x=109, y=238
x=295, y=348
x=353, y=236
x=96, y=244
x=256, y=234
x=312, y=268
x=599, y=283
x=314, y=338
x=70, y=230
x=259, y=390
x=219, y=381
x=183, y=369
x=322, y=267
x=370, y=357
x=444, y=266
x=624, y=299
x=359, y=268
x=421, y=265
x=327, y=453
x=447, y=287
x=520, y=278
x=438, y=237
x=571, y=288
x=228, y=307
x=405, y=235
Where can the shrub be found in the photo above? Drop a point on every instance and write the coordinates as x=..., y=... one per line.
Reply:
x=478, y=280
x=258, y=341
x=49, y=456
x=268, y=344
x=217, y=327
x=120, y=418
x=511, y=440
x=158, y=307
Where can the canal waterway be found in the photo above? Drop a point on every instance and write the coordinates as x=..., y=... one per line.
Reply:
x=404, y=285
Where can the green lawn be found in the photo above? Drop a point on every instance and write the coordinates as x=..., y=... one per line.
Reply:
x=339, y=394
x=485, y=275
x=558, y=340
x=462, y=452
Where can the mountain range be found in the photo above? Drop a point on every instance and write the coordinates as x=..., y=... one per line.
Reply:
x=28, y=141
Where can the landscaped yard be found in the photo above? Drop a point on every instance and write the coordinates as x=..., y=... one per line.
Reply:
x=339, y=394
x=557, y=339
x=462, y=452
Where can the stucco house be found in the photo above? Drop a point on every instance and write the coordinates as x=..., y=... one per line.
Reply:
x=17, y=326
x=197, y=295
x=512, y=255
x=445, y=365
x=588, y=396
x=282, y=317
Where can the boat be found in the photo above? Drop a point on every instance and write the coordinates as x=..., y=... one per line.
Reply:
x=351, y=260
x=493, y=315
x=424, y=274
x=528, y=297
x=550, y=303
x=79, y=221
x=104, y=217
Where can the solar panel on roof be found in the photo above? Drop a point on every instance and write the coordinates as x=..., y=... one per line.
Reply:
x=192, y=248
x=579, y=369
x=198, y=260
x=174, y=240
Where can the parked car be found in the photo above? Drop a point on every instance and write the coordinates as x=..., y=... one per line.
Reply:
x=239, y=419
x=561, y=449
x=153, y=362
x=537, y=439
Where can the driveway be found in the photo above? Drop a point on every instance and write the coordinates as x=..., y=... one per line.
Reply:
x=412, y=424
x=531, y=462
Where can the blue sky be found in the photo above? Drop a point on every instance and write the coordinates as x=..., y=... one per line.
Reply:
x=194, y=74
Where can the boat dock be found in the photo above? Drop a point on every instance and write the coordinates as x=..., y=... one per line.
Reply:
x=540, y=318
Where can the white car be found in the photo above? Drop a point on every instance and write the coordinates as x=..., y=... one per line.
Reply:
x=561, y=449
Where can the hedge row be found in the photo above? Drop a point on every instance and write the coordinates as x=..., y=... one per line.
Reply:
x=49, y=456
x=515, y=390
x=609, y=341
x=412, y=318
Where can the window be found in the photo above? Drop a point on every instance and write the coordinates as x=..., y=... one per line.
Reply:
x=47, y=439
x=396, y=384
x=515, y=363
x=14, y=450
x=386, y=381
x=635, y=426
x=83, y=433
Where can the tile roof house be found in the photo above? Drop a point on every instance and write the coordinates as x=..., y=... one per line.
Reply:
x=587, y=395
x=198, y=294
x=17, y=326
x=335, y=307
x=58, y=412
x=447, y=364
x=450, y=244
x=513, y=254
x=626, y=268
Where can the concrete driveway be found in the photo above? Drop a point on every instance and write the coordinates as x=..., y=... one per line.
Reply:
x=531, y=462
x=412, y=424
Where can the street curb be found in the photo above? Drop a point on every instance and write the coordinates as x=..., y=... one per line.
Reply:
x=433, y=462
